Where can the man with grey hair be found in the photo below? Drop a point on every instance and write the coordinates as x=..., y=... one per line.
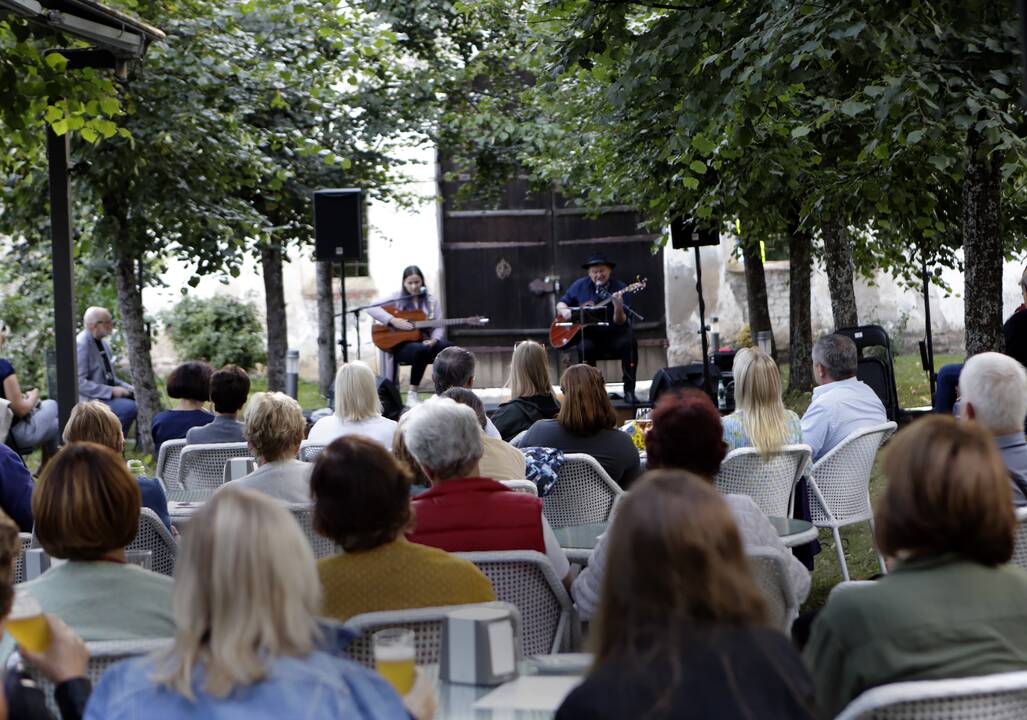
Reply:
x=841, y=404
x=463, y=512
x=454, y=367
x=96, y=378
x=993, y=391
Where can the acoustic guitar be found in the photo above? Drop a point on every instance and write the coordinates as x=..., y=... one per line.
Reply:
x=386, y=337
x=563, y=332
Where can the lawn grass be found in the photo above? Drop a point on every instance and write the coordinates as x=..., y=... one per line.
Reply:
x=914, y=391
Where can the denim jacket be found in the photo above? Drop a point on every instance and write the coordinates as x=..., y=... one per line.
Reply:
x=317, y=686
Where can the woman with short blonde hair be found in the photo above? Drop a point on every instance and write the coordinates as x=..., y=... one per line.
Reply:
x=531, y=393
x=760, y=419
x=246, y=598
x=586, y=424
x=358, y=409
x=274, y=427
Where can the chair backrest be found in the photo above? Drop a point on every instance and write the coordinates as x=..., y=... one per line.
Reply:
x=155, y=537
x=425, y=622
x=583, y=493
x=168, y=461
x=522, y=486
x=526, y=580
x=323, y=547
x=770, y=571
x=770, y=484
x=203, y=466
x=840, y=490
x=102, y=654
x=309, y=452
x=24, y=542
x=988, y=697
x=1020, y=546
x=877, y=372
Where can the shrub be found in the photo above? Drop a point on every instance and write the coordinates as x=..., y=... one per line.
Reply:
x=219, y=330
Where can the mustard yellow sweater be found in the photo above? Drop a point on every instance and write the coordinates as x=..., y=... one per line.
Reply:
x=396, y=576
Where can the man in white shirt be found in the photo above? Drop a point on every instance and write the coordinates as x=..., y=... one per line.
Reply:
x=841, y=403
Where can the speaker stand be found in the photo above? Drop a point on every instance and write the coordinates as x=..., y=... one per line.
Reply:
x=344, y=339
x=706, y=380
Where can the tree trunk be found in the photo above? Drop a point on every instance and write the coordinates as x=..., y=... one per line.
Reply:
x=130, y=307
x=756, y=292
x=325, y=327
x=838, y=258
x=982, y=250
x=277, y=330
x=800, y=323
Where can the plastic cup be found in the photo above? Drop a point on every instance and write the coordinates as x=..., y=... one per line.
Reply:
x=27, y=624
x=394, y=657
x=136, y=467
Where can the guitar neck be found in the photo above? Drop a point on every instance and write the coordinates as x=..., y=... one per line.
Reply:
x=441, y=323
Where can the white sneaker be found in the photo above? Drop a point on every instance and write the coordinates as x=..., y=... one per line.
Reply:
x=412, y=400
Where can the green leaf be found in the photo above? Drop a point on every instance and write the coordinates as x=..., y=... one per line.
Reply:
x=800, y=131
x=110, y=106
x=852, y=108
x=703, y=144
x=698, y=167
x=57, y=61
x=60, y=127
x=999, y=77
x=690, y=182
x=90, y=135
x=914, y=137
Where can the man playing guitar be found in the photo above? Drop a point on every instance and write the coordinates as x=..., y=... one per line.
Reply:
x=614, y=339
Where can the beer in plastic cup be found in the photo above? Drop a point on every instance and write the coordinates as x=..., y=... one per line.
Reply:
x=27, y=624
x=394, y=657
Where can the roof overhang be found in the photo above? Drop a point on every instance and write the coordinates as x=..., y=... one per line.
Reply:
x=123, y=35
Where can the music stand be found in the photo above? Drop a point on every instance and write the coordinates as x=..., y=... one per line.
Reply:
x=588, y=316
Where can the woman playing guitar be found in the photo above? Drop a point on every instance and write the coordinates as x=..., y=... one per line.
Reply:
x=418, y=354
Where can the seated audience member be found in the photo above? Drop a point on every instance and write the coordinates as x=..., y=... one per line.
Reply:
x=841, y=404
x=454, y=367
x=994, y=393
x=362, y=502
x=274, y=430
x=760, y=420
x=229, y=388
x=952, y=605
x=64, y=662
x=15, y=488
x=248, y=644
x=587, y=424
x=463, y=512
x=358, y=409
x=530, y=390
x=500, y=460
x=35, y=421
x=95, y=422
x=189, y=383
x=86, y=507
x=95, y=360
x=682, y=629
x=686, y=435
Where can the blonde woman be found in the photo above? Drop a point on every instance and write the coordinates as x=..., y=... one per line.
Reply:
x=530, y=389
x=248, y=644
x=761, y=420
x=274, y=427
x=358, y=410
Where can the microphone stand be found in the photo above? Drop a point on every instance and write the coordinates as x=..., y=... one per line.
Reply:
x=381, y=303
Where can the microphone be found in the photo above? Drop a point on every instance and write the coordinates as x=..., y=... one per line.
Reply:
x=424, y=291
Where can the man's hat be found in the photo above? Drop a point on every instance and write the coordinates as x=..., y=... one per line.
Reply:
x=597, y=259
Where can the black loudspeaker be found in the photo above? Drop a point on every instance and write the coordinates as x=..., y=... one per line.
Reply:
x=680, y=376
x=338, y=224
x=689, y=233
x=392, y=401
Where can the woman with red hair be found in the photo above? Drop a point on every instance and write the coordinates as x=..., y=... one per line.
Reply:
x=687, y=435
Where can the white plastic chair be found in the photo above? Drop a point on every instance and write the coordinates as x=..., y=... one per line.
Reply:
x=24, y=542
x=522, y=486
x=168, y=460
x=309, y=452
x=583, y=493
x=102, y=654
x=203, y=466
x=839, y=485
x=425, y=622
x=155, y=537
x=988, y=697
x=526, y=579
x=323, y=547
x=1020, y=546
x=770, y=484
x=770, y=571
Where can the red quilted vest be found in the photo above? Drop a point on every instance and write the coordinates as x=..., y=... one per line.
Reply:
x=477, y=514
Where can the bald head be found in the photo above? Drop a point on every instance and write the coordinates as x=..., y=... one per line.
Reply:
x=98, y=322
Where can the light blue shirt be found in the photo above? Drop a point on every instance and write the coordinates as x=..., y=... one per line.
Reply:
x=838, y=409
x=1014, y=454
x=317, y=686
